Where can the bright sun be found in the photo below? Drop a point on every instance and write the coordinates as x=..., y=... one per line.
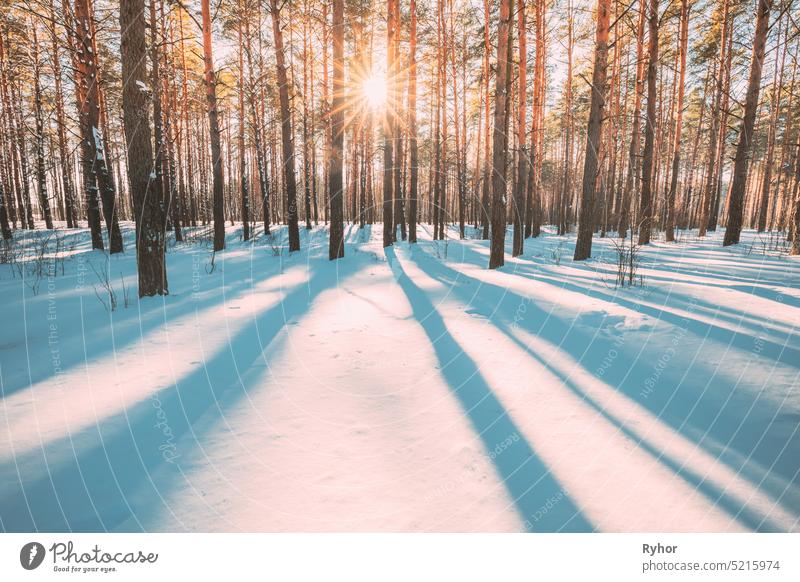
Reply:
x=374, y=90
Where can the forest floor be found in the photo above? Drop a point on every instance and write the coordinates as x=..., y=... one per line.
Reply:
x=406, y=390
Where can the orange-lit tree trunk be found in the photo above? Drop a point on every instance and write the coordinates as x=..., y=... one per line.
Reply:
x=148, y=202
x=583, y=246
x=487, y=172
x=243, y=178
x=633, y=153
x=213, y=129
x=676, y=156
x=335, y=186
x=500, y=137
x=523, y=162
x=41, y=176
x=646, y=201
x=745, y=145
x=388, y=131
x=412, y=126
x=286, y=130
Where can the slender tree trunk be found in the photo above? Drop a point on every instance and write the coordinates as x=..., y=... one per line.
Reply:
x=500, y=138
x=707, y=199
x=646, y=204
x=96, y=129
x=41, y=175
x=286, y=130
x=88, y=115
x=745, y=145
x=583, y=246
x=487, y=173
x=388, y=130
x=245, y=194
x=676, y=156
x=412, y=126
x=305, y=113
x=775, y=102
x=70, y=211
x=213, y=129
x=523, y=162
x=335, y=187
x=633, y=152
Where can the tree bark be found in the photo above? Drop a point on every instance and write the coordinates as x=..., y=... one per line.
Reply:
x=676, y=156
x=633, y=153
x=286, y=130
x=583, y=246
x=148, y=201
x=213, y=128
x=499, y=137
x=41, y=176
x=412, y=126
x=646, y=203
x=335, y=186
x=523, y=161
x=745, y=145
x=388, y=131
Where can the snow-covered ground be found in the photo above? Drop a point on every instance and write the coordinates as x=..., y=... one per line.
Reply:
x=406, y=390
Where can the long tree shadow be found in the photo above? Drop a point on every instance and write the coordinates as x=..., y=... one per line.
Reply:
x=541, y=501
x=689, y=413
x=778, y=352
x=606, y=274
x=81, y=338
x=122, y=471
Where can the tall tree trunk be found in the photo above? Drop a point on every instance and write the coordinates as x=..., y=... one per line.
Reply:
x=242, y=120
x=523, y=162
x=487, y=173
x=148, y=201
x=99, y=131
x=534, y=212
x=631, y=177
x=336, y=248
x=499, y=137
x=261, y=163
x=41, y=175
x=583, y=246
x=286, y=130
x=398, y=218
x=86, y=89
x=388, y=131
x=745, y=145
x=213, y=128
x=707, y=199
x=306, y=137
x=676, y=156
x=412, y=126
x=646, y=203
x=565, y=193
x=775, y=105
x=70, y=210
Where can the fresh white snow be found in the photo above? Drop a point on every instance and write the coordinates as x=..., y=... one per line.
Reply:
x=409, y=389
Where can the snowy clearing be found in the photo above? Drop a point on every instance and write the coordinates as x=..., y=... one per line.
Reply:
x=406, y=390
